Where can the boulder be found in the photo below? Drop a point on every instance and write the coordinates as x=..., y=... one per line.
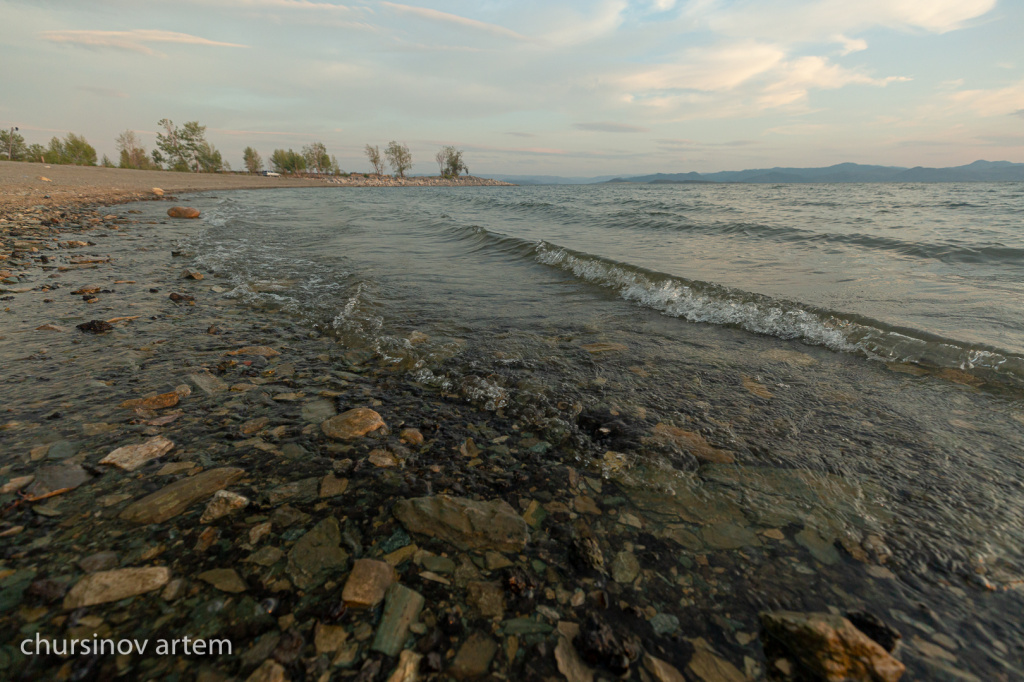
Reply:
x=183, y=212
x=829, y=647
x=467, y=524
x=352, y=424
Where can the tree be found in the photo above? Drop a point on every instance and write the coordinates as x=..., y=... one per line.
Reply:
x=398, y=157
x=251, y=159
x=317, y=159
x=73, y=150
x=373, y=154
x=287, y=161
x=133, y=154
x=183, y=146
x=12, y=145
x=106, y=162
x=158, y=158
x=35, y=153
x=208, y=159
x=335, y=168
x=449, y=159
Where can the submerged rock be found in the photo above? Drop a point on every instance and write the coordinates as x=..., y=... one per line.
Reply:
x=467, y=524
x=175, y=498
x=223, y=503
x=108, y=586
x=830, y=647
x=352, y=424
x=131, y=457
x=316, y=553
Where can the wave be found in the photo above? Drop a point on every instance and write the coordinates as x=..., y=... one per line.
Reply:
x=706, y=302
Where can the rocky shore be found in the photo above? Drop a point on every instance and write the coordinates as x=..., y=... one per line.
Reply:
x=176, y=465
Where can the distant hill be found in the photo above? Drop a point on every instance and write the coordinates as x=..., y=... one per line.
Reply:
x=979, y=171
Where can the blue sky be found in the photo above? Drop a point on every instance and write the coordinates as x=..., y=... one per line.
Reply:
x=533, y=87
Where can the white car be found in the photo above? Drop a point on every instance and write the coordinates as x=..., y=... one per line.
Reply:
x=271, y=174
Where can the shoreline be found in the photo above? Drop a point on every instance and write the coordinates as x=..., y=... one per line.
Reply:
x=267, y=507
x=22, y=185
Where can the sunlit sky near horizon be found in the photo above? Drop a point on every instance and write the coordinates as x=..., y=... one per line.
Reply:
x=555, y=87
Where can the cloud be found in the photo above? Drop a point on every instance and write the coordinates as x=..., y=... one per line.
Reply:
x=132, y=41
x=605, y=127
x=577, y=29
x=851, y=45
x=102, y=92
x=800, y=75
x=445, y=17
x=707, y=69
x=998, y=102
x=1019, y=112
x=517, y=134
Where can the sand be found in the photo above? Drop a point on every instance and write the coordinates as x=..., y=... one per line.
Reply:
x=22, y=184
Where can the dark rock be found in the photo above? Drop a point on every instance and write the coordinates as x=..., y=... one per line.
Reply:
x=95, y=326
x=598, y=645
x=873, y=626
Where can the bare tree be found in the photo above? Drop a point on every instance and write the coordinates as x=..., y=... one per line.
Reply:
x=399, y=158
x=449, y=159
x=373, y=154
x=442, y=160
x=133, y=154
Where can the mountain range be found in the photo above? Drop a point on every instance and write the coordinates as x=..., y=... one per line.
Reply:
x=979, y=171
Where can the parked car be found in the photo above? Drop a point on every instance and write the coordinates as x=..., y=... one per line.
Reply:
x=271, y=174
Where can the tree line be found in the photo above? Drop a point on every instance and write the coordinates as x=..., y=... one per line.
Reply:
x=186, y=149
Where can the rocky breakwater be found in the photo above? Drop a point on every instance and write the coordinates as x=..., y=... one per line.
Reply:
x=371, y=180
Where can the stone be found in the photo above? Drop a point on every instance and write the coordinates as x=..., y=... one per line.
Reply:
x=706, y=666
x=253, y=425
x=221, y=504
x=175, y=498
x=329, y=638
x=107, y=586
x=317, y=411
x=411, y=437
x=50, y=328
x=691, y=442
x=382, y=459
x=16, y=484
x=183, y=212
x=224, y=579
x=189, y=273
x=315, y=554
x=352, y=424
x=62, y=449
x=95, y=326
x=263, y=351
x=54, y=479
x=269, y=671
x=407, y=669
x=819, y=547
x=332, y=486
x=207, y=383
x=474, y=657
x=402, y=607
x=156, y=402
x=157, y=191
x=625, y=567
x=100, y=561
x=662, y=671
x=570, y=664
x=603, y=347
x=487, y=598
x=367, y=583
x=131, y=457
x=467, y=524
x=728, y=536
x=829, y=647
x=265, y=556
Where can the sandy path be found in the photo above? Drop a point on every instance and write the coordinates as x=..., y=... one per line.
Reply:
x=21, y=185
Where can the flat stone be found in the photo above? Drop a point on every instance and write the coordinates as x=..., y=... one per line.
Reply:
x=465, y=523
x=100, y=561
x=691, y=442
x=408, y=667
x=411, y=437
x=708, y=667
x=16, y=484
x=53, y=478
x=317, y=411
x=332, y=486
x=329, y=638
x=830, y=648
x=131, y=457
x=62, y=449
x=603, y=347
x=315, y=554
x=208, y=383
x=570, y=664
x=175, y=498
x=487, y=598
x=382, y=459
x=264, y=351
x=221, y=504
x=269, y=671
x=367, y=583
x=819, y=547
x=625, y=567
x=224, y=579
x=352, y=424
x=728, y=536
x=265, y=556
x=253, y=425
x=107, y=586
x=156, y=402
x=474, y=657
x=402, y=607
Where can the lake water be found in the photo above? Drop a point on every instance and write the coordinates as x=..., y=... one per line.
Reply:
x=857, y=351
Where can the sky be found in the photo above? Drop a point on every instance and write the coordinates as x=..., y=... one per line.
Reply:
x=540, y=87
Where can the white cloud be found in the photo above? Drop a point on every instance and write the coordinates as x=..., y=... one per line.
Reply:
x=803, y=74
x=998, y=102
x=607, y=127
x=851, y=45
x=454, y=19
x=134, y=41
x=707, y=69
